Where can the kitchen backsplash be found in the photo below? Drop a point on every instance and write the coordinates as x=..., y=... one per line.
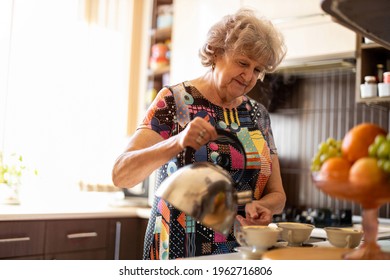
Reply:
x=318, y=105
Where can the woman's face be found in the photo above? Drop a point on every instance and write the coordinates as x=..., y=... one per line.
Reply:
x=235, y=75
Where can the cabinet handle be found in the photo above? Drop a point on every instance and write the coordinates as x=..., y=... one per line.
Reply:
x=15, y=239
x=118, y=226
x=81, y=235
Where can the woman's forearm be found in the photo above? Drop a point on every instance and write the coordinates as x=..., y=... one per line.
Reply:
x=134, y=165
x=274, y=201
x=274, y=197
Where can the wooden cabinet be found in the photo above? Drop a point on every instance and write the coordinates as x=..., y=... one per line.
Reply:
x=310, y=34
x=73, y=239
x=127, y=236
x=145, y=80
x=160, y=48
x=22, y=239
x=368, y=56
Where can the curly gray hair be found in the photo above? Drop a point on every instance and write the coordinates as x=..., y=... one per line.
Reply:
x=246, y=34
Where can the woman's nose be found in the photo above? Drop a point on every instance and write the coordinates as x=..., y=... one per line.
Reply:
x=247, y=75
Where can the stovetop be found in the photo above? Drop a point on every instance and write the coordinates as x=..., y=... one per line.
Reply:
x=319, y=217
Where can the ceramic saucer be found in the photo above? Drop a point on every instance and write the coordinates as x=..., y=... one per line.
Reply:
x=250, y=253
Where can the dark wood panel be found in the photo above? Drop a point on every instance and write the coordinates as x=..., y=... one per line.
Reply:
x=76, y=235
x=35, y=257
x=142, y=230
x=100, y=254
x=21, y=238
x=126, y=238
x=80, y=239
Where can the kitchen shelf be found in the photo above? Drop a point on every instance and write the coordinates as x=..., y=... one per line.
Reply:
x=161, y=34
x=375, y=99
x=368, y=55
x=159, y=71
x=371, y=46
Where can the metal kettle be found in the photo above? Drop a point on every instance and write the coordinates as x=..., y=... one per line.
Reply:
x=206, y=191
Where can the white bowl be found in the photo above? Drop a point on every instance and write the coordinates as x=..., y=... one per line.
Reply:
x=344, y=237
x=250, y=253
x=258, y=237
x=295, y=233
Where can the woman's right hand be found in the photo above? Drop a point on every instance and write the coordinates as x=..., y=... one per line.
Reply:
x=197, y=133
x=256, y=214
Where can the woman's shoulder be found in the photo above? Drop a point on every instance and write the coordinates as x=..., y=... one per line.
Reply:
x=165, y=90
x=255, y=105
x=179, y=87
x=174, y=89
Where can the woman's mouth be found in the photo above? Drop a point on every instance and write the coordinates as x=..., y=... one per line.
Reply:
x=241, y=83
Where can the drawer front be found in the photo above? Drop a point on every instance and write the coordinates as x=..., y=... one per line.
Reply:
x=21, y=238
x=75, y=235
x=99, y=254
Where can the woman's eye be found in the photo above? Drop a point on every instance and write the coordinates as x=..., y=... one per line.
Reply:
x=243, y=63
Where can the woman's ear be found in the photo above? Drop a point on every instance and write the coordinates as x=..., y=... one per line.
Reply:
x=217, y=55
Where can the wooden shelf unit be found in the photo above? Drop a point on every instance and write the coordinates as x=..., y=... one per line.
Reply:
x=159, y=77
x=368, y=55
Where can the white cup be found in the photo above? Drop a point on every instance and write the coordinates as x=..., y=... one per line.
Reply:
x=344, y=237
x=258, y=237
x=295, y=233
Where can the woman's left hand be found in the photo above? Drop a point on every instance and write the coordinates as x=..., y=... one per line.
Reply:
x=256, y=214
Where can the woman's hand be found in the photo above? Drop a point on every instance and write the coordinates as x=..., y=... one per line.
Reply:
x=197, y=133
x=256, y=214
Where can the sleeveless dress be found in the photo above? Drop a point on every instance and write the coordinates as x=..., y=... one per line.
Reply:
x=172, y=234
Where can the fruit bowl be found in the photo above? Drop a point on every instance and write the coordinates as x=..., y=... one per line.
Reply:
x=370, y=197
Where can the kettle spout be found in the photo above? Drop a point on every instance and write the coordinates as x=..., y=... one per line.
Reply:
x=243, y=197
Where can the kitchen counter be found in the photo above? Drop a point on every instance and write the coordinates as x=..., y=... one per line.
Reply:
x=76, y=209
x=318, y=239
x=384, y=244
x=87, y=226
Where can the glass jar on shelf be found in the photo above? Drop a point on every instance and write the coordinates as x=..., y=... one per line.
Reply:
x=369, y=88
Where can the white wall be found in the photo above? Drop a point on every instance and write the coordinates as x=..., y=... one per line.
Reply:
x=309, y=34
x=192, y=20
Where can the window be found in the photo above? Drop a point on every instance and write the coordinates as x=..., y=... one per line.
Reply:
x=64, y=89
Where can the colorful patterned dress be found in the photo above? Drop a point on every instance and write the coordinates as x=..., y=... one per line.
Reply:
x=171, y=233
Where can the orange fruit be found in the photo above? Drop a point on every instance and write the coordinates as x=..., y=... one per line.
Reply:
x=365, y=171
x=335, y=168
x=357, y=140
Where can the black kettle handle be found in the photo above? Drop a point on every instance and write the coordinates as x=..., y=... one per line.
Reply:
x=227, y=137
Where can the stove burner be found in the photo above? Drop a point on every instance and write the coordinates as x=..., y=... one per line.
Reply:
x=320, y=217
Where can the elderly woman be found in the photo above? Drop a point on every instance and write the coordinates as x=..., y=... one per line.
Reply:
x=239, y=50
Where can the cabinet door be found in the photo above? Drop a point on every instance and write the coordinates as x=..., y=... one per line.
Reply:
x=100, y=254
x=75, y=235
x=310, y=34
x=369, y=55
x=21, y=239
x=127, y=238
